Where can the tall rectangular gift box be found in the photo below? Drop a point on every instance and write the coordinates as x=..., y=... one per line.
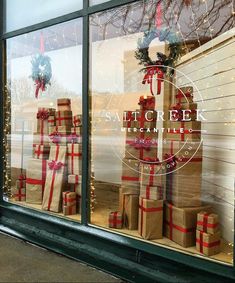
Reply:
x=43, y=115
x=150, y=218
x=75, y=182
x=208, y=244
x=184, y=111
x=69, y=198
x=74, y=155
x=115, y=220
x=77, y=120
x=207, y=222
x=64, y=104
x=180, y=224
x=55, y=179
x=69, y=210
x=35, y=180
x=184, y=95
x=150, y=192
x=130, y=176
x=130, y=211
x=64, y=118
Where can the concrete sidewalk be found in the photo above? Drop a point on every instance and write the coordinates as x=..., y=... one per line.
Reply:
x=22, y=262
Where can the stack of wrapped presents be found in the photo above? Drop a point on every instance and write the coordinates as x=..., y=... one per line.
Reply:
x=53, y=174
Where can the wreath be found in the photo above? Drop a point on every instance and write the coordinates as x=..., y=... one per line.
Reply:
x=41, y=72
x=165, y=63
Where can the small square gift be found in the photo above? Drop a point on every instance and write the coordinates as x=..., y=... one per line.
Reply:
x=182, y=131
x=64, y=104
x=69, y=198
x=184, y=95
x=208, y=244
x=150, y=192
x=59, y=134
x=69, y=210
x=147, y=102
x=207, y=222
x=77, y=120
x=130, y=211
x=151, y=174
x=64, y=118
x=43, y=115
x=74, y=155
x=130, y=176
x=35, y=180
x=55, y=179
x=75, y=182
x=115, y=220
x=41, y=151
x=150, y=218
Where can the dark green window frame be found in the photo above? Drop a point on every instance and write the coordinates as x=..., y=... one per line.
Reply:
x=131, y=259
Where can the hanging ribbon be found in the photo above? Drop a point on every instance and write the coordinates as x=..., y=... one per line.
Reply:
x=148, y=78
x=158, y=18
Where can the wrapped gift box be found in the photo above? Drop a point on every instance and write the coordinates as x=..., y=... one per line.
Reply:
x=40, y=139
x=69, y=198
x=35, y=180
x=55, y=179
x=207, y=222
x=115, y=220
x=43, y=115
x=184, y=111
x=74, y=159
x=75, y=135
x=69, y=210
x=59, y=134
x=19, y=194
x=141, y=145
x=63, y=118
x=151, y=174
x=51, y=121
x=129, y=119
x=208, y=244
x=149, y=192
x=183, y=186
x=130, y=176
x=147, y=102
x=75, y=182
x=184, y=95
x=182, y=131
x=41, y=151
x=150, y=218
x=64, y=104
x=145, y=119
x=21, y=182
x=180, y=224
x=77, y=120
x=130, y=211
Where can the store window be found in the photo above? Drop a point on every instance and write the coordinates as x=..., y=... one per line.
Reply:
x=23, y=13
x=162, y=137
x=95, y=2
x=43, y=119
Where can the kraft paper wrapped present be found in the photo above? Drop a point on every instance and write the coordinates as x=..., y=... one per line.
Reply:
x=147, y=102
x=51, y=121
x=130, y=211
x=115, y=220
x=43, y=115
x=150, y=218
x=141, y=145
x=149, y=192
x=74, y=159
x=180, y=223
x=63, y=118
x=130, y=176
x=70, y=210
x=145, y=119
x=182, y=131
x=21, y=182
x=55, y=179
x=207, y=222
x=40, y=139
x=35, y=180
x=41, y=151
x=151, y=173
x=129, y=119
x=59, y=135
x=77, y=120
x=184, y=95
x=183, y=186
x=75, y=135
x=184, y=111
x=69, y=198
x=75, y=182
x=208, y=244
x=64, y=104
x=19, y=194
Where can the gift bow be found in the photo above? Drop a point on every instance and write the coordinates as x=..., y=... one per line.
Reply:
x=22, y=177
x=40, y=84
x=55, y=137
x=55, y=165
x=73, y=138
x=142, y=143
x=145, y=100
x=43, y=115
x=179, y=114
x=148, y=78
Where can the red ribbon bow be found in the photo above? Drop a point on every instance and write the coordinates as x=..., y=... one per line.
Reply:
x=55, y=165
x=142, y=143
x=22, y=177
x=148, y=78
x=73, y=138
x=40, y=84
x=55, y=137
x=43, y=115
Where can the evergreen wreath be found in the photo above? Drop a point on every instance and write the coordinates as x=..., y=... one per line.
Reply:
x=41, y=72
x=163, y=61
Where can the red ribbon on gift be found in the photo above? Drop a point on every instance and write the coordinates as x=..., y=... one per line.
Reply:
x=39, y=152
x=129, y=117
x=73, y=138
x=148, y=78
x=204, y=223
x=147, y=102
x=142, y=144
x=40, y=84
x=113, y=219
x=42, y=116
x=180, y=94
x=179, y=115
x=72, y=155
x=68, y=200
x=55, y=137
x=204, y=244
x=77, y=121
x=59, y=119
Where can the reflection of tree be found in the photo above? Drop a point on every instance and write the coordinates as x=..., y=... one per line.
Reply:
x=192, y=19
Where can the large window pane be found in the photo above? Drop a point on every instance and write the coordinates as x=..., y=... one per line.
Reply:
x=24, y=13
x=163, y=201
x=95, y=2
x=43, y=119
